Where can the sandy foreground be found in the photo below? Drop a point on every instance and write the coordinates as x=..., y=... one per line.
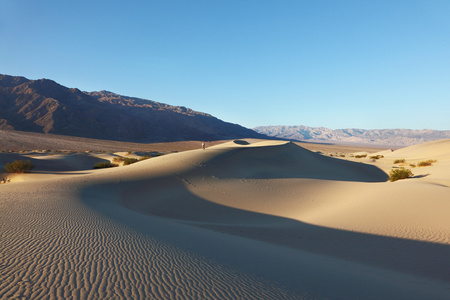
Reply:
x=263, y=220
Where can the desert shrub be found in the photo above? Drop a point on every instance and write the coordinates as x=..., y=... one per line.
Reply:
x=129, y=160
x=118, y=159
x=360, y=156
x=376, y=156
x=412, y=165
x=401, y=173
x=144, y=157
x=399, y=161
x=104, y=164
x=426, y=163
x=19, y=166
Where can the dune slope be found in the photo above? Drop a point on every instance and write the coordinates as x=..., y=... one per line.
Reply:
x=256, y=221
x=433, y=149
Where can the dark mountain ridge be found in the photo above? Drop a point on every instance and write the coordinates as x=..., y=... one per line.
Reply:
x=45, y=106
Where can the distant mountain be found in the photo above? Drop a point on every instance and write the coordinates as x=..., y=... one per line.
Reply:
x=397, y=137
x=47, y=107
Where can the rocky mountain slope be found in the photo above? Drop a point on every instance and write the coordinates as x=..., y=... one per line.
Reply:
x=47, y=107
x=395, y=137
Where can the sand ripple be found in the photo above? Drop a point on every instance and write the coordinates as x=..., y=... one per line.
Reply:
x=55, y=247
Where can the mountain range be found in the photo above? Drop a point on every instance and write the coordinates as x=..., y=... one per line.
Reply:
x=382, y=137
x=45, y=106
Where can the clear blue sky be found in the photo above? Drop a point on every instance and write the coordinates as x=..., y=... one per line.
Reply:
x=338, y=64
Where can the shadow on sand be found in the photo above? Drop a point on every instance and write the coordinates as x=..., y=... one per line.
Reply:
x=169, y=199
x=286, y=161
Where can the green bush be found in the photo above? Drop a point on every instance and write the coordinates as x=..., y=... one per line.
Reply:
x=399, y=161
x=144, y=157
x=104, y=164
x=360, y=156
x=19, y=166
x=401, y=173
x=129, y=160
x=426, y=163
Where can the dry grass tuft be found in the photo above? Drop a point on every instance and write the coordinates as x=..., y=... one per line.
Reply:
x=426, y=163
x=400, y=161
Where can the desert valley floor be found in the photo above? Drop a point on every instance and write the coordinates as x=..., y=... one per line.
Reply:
x=239, y=220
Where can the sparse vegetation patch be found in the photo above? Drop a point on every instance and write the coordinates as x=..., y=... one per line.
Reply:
x=129, y=160
x=118, y=159
x=376, y=157
x=361, y=156
x=402, y=173
x=104, y=164
x=399, y=161
x=19, y=166
x=426, y=163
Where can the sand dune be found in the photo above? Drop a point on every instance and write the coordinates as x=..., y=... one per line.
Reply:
x=437, y=151
x=429, y=150
x=267, y=220
x=48, y=166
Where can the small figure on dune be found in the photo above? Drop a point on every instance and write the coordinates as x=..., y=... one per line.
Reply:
x=203, y=145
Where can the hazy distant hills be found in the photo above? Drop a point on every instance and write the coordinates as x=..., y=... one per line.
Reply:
x=399, y=137
x=47, y=107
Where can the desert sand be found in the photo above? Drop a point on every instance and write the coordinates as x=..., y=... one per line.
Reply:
x=240, y=220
